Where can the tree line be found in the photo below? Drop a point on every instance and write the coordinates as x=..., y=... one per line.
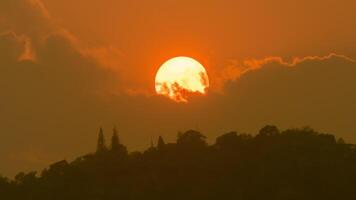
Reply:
x=290, y=164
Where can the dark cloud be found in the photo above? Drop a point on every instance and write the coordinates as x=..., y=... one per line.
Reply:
x=48, y=86
x=27, y=17
x=315, y=92
x=236, y=69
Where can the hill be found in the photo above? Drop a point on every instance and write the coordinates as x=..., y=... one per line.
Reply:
x=289, y=164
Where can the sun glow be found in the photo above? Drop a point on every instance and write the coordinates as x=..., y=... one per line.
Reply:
x=181, y=76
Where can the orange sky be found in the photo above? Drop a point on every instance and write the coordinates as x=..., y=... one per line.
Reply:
x=146, y=33
x=69, y=67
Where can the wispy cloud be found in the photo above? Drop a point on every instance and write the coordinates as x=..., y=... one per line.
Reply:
x=236, y=69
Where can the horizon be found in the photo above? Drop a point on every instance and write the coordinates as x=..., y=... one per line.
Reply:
x=274, y=164
x=107, y=143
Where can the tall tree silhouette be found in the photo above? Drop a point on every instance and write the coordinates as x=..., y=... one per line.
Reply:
x=101, y=146
x=116, y=146
x=115, y=142
x=160, y=143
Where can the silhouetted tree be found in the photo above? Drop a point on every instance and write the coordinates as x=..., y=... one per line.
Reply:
x=227, y=141
x=3, y=181
x=4, y=185
x=115, y=143
x=160, y=143
x=116, y=147
x=22, y=178
x=101, y=146
x=191, y=138
x=269, y=130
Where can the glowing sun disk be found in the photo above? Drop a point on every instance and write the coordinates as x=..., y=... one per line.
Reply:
x=180, y=76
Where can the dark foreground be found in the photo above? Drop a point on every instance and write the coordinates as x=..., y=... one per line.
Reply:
x=287, y=165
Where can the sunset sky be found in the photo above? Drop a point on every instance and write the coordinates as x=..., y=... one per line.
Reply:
x=70, y=67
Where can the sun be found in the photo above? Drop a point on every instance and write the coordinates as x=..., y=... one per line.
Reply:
x=180, y=76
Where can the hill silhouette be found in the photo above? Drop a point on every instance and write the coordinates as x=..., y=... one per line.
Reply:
x=290, y=164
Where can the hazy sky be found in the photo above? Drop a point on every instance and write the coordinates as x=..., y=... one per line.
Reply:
x=69, y=67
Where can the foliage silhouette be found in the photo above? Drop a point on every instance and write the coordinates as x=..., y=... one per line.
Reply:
x=116, y=147
x=101, y=146
x=160, y=143
x=289, y=164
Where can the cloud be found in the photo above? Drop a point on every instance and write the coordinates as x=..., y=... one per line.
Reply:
x=236, y=69
x=27, y=17
x=48, y=84
x=31, y=23
x=315, y=91
x=24, y=46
